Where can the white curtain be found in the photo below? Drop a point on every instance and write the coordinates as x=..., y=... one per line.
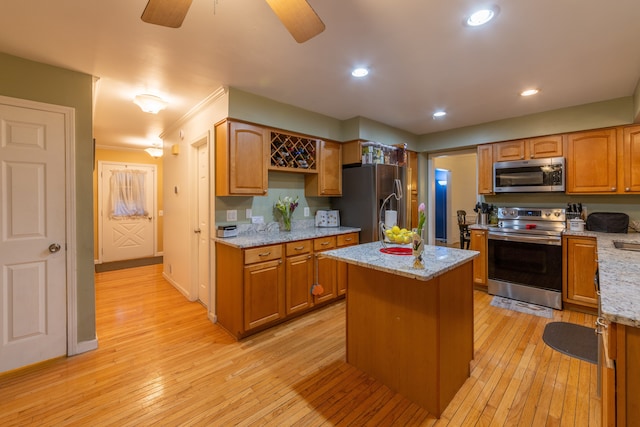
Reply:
x=127, y=194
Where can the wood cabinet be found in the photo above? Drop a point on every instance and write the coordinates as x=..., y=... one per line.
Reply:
x=591, y=162
x=299, y=275
x=621, y=380
x=479, y=242
x=328, y=180
x=291, y=152
x=530, y=148
x=344, y=240
x=579, y=269
x=326, y=269
x=485, y=169
x=241, y=151
x=630, y=160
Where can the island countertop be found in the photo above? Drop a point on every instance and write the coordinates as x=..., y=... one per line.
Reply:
x=437, y=259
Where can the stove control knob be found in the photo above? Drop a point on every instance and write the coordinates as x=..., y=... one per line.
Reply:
x=557, y=213
x=547, y=213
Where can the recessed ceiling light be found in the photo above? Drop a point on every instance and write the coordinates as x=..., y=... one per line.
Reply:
x=482, y=16
x=529, y=92
x=439, y=114
x=359, y=72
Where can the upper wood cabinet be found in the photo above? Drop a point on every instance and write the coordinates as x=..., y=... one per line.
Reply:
x=328, y=180
x=485, y=169
x=630, y=160
x=591, y=162
x=241, y=159
x=531, y=148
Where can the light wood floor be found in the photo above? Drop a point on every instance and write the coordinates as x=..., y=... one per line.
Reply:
x=161, y=362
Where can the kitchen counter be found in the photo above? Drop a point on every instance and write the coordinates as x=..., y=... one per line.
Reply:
x=437, y=259
x=412, y=329
x=619, y=277
x=253, y=239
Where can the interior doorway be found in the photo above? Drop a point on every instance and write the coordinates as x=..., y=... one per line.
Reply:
x=442, y=199
x=462, y=191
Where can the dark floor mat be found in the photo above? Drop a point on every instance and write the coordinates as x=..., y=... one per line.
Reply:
x=573, y=340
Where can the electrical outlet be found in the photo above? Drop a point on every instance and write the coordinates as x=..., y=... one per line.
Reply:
x=257, y=220
x=232, y=215
x=248, y=214
x=306, y=211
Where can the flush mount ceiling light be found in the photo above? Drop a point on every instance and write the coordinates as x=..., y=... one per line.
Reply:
x=439, y=114
x=155, y=151
x=482, y=16
x=150, y=103
x=359, y=72
x=529, y=92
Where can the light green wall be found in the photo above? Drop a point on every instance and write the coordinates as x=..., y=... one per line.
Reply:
x=590, y=116
x=636, y=103
x=44, y=83
x=371, y=130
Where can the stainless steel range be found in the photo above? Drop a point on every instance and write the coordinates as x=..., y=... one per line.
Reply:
x=525, y=255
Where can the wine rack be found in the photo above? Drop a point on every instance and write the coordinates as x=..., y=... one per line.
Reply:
x=291, y=152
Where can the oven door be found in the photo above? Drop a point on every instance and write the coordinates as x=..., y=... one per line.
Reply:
x=533, y=261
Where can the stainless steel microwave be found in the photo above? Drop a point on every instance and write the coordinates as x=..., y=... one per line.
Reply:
x=529, y=176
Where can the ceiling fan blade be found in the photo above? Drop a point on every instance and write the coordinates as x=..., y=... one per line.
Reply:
x=298, y=17
x=168, y=13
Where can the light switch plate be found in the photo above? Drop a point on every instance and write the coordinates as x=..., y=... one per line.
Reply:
x=248, y=214
x=232, y=215
x=306, y=211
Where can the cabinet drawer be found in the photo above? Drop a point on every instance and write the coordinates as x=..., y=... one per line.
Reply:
x=263, y=253
x=297, y=248
x=324, y=243
x=347, y=239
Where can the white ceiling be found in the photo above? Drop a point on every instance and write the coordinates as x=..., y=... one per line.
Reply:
x=421, y=58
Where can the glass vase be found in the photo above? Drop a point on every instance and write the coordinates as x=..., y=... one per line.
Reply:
x=417, y=248
x=286, y=223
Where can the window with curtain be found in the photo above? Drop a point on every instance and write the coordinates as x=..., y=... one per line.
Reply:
x=128, y=194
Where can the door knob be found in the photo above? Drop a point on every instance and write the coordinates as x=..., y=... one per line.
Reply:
x=197, y=231
x=54, y=247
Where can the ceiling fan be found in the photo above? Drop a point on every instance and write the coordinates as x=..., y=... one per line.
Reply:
x=297, y=16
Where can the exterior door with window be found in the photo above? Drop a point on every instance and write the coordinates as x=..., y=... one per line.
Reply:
x=127, y=197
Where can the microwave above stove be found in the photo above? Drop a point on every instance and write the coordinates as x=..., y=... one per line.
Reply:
x=529, y=176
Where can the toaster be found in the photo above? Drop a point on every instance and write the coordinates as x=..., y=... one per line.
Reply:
x=327, y=218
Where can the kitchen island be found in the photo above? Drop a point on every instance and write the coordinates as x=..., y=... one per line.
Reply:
x=410, y=328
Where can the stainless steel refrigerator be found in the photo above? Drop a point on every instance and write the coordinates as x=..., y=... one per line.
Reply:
x=364, y=190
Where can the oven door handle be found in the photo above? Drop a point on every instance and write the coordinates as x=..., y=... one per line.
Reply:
x=540, y=240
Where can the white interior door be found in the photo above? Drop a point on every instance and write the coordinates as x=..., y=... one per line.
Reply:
x=33, y=305
x=203, y=224
x=124, y=236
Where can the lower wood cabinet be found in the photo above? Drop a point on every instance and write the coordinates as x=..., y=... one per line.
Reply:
x=579, y=269
x=479, y=243
x=259, y=287
x=299, y=276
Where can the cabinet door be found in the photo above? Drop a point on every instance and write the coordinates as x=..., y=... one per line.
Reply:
x=299, y=278
x=591, y=162
x=241, y=159
x=328, y=180
x=485, y=169
x=510, y=150
x=479, y=243
x=326, y=269
x=545, y=146
x=631, y=159
x=580, y=261
x=263, y=293
x=412, y=170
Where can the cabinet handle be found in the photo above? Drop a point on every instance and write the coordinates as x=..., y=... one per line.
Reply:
x=298, y=248
x=264, y=191
x=627, y=189
x=613, y=188
x=324, y=243
x=348, y=239
x=308, y=256
x=265, y=253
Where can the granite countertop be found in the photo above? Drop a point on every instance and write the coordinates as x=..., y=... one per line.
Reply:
x=619, y=277
x=437, y=259
x=260, y=238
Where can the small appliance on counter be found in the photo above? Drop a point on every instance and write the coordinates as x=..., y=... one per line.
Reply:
x=327, y=218
x=227, y=231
